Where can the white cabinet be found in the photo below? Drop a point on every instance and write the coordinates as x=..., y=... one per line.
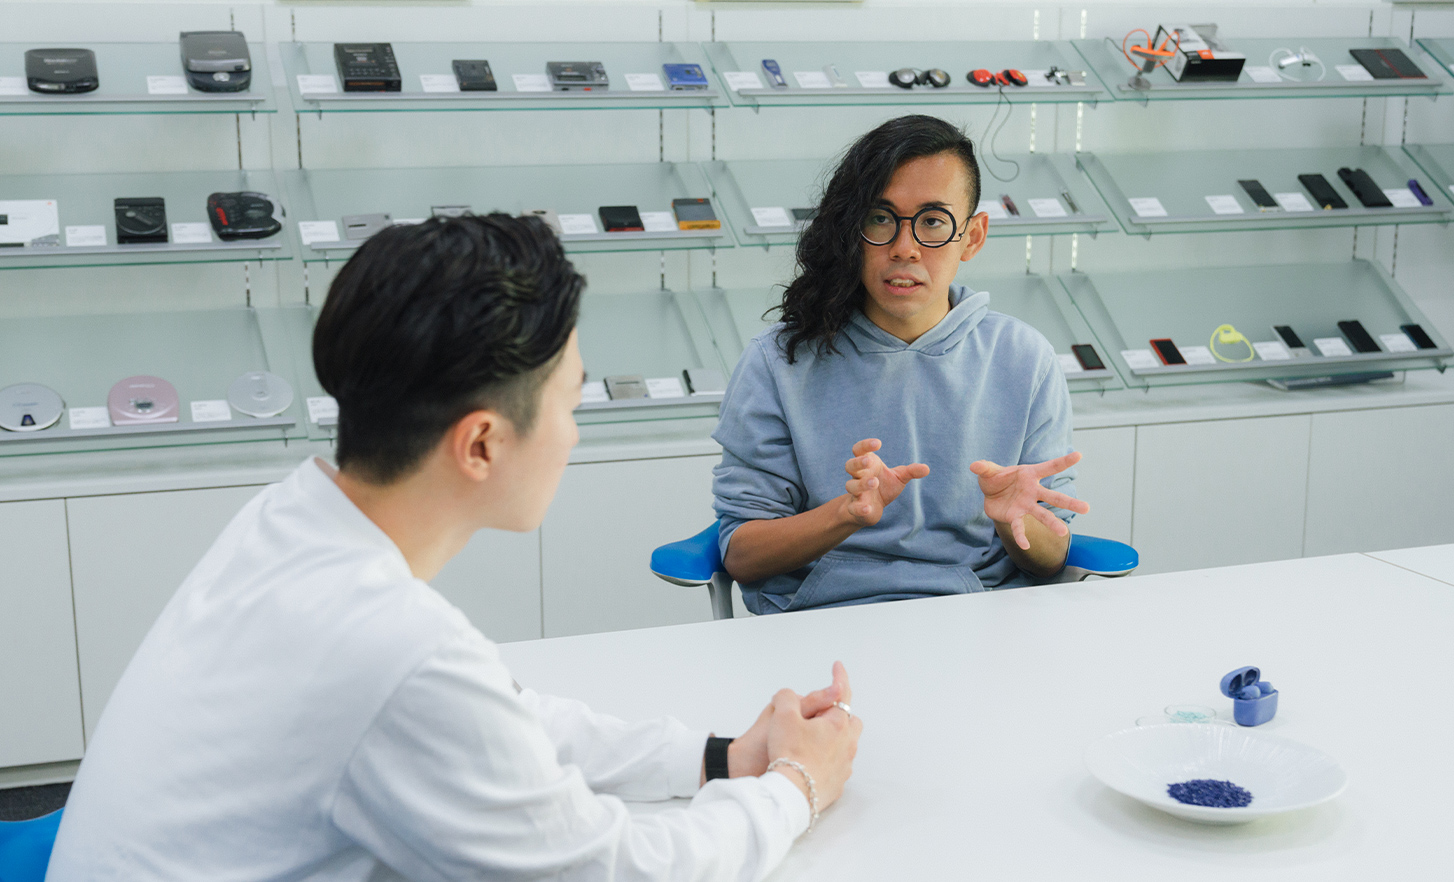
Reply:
x=495, y=581
x=597, y=540
x=40, y=701
x=1104, y=478
x=129, y=554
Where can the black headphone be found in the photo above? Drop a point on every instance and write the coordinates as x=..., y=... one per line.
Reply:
x=908, y=78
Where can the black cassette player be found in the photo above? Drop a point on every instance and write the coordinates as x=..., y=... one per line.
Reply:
x=61, y=71
x=216, y=61
x=367, y=67
x=243, y=215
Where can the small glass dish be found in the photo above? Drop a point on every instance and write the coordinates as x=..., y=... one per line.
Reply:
x=1182, y=713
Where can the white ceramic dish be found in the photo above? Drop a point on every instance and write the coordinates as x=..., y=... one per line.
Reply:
x=1282, y=775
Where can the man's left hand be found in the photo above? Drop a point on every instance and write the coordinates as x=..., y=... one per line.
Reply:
x=1012, y=492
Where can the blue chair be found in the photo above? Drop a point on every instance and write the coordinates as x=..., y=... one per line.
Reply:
x=697, y=561
x=25, y=847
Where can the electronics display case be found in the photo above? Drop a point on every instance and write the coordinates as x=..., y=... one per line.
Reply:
x=865, y=65
x=1105, y=57
x=1126, y=310
x=86, y=200
x=134, y=78
x=1440, y=49
x=1185, y=185
x=426, y=67
x=407, y=194
x=737, y=315
x=1437, y=161
x=740, y=186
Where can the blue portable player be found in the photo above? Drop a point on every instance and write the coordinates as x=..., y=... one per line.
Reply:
x=685, y=77
x=1254, y=701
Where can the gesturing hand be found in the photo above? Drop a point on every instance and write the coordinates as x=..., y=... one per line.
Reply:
x=1012, y=492
x=747, y=754
x=874, y=485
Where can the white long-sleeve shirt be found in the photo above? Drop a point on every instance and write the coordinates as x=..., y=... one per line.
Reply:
x=305, y=709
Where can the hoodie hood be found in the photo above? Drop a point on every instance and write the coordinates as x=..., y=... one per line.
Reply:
x=966, y=310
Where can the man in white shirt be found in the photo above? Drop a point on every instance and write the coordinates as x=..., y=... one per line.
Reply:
x=308, y=708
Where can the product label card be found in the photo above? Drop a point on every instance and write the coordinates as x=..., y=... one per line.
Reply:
x=659, y=221
x=995, y=210
x=1139, y=359
x=1225, y=204
x=741, y=79
x=89, y=418
x=1331, y=346
x=1070, y=365
x=872, y=79
x=1272, y=350
x=1198, y=354
x=86, y=236
x=407, y=221
x=812, y=79
x=213, y=411
x=192, y=234
x=317, y=84
x=1262, y=74
x=1047, y=207
x=1293, y=201
x=168, y=85
x=318, y=231
x=13, y=86
x=664, y=387
x=1354, y=73
x=644, y=82
x=531, y=82
x=577, y=224
x=1147, y=206
x=771, y=216
x=594, y=392
x=1402, y=197
x=438, y=82
x=1399, y=342
x=323, y=409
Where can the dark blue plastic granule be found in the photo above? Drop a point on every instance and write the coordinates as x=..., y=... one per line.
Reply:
x=1204, y=791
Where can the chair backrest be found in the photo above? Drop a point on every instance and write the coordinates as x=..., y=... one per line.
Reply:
x=25, y=847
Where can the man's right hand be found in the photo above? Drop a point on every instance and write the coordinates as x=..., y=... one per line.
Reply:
x=873, y=485
x=825, y=744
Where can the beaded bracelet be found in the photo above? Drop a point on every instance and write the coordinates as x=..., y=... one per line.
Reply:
x=812, y=790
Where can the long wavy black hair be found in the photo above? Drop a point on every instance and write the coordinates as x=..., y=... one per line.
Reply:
x=820, y=301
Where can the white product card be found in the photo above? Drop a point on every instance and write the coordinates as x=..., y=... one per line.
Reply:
x=664, y=387
x=168, y=85
x=192, y=234
x=644, y=82
x=1197, y=355
x=89, y=418
x=1403, y=197
x=1047, y=207
x=1226, y=204
x=594, y=392
x=659, y=221
x=407, y=221
x=741, y=79
x=13, y=86
x=1331, y=346
x=872, y=79
x=88, y=236
x=1354, y=73
x=531, y=82
x=1139, y=359
x=1399, y=342
x=318, y=231
x=438, y=82
x=1069, y=365
x=317, y=84
x=1272, y=350
x=1147, y=206
x=324, y=407
x=995, y=210
x=214, y=411
x=771, y=216
x=577, y=224
x=1262, y=74
x=1293, y=201
x=1037, y=79
x=812, y=79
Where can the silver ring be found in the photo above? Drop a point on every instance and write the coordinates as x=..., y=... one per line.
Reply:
x=843, y=707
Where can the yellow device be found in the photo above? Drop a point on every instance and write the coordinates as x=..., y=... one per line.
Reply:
x=1230, y=336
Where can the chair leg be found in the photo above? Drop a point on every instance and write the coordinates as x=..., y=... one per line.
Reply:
x=721, y=591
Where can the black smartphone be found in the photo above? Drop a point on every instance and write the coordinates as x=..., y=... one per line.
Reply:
x=1364, y=187
x=1322, y=192
x=1290, y=339
x=1259, y=194
x=1167, y=351
x=1360, y=338
x=1086, y=355
x=1420, y=337
x=474, y=75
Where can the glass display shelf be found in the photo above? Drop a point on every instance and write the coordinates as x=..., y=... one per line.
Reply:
x=428, y=81
x=1441, y=49
x=135, y=78
x=1105, y=57
x=412, y=194
x=86, y=202
x=1437, y=161
x=200, y=352
x=1183, y=192
x=864, y=68
x=745, y=189
x=1127, y=310
x=737, y=315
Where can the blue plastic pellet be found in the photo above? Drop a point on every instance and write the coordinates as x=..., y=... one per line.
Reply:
x=1207, y=792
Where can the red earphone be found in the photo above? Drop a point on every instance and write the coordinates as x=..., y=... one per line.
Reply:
x=981, y=77
x=1011, y=77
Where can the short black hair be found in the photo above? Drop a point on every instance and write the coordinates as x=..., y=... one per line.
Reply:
x=428, y=322
x=828, y=289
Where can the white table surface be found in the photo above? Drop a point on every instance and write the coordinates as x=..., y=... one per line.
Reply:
x=977, y=710
x=1436, y=561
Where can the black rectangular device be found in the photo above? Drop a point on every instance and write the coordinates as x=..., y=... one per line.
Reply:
x=367, y=67
x=1086, y=355
x=61, y=71
x=474, y=75
x=1167, y=351
x=621, y=218
x=1258, y=194
x=1420, y=337
x=1290, y=339
x=1388, y=64
x=1324, y=196
x=1364, y=187
x=695, y=214
x=577, y=76
x=242, y=215
x=140, y=219
x=1357, y=335
x=216, y=61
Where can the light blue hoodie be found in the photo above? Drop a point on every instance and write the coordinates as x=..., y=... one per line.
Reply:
x=978, y=385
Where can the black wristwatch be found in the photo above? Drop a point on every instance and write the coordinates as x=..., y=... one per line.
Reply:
x=715, y=757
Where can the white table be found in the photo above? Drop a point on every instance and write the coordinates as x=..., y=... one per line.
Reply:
x=977, y=710
x=1435, y=561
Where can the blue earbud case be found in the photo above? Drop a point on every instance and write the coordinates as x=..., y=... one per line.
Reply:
x=1254, y=701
